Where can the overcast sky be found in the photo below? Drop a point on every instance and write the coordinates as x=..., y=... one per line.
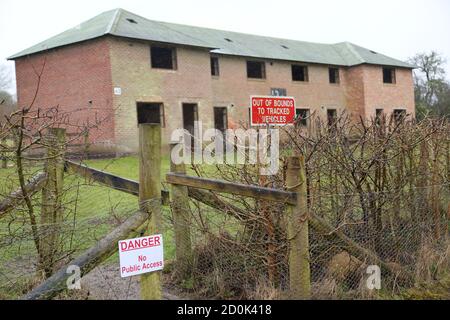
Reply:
x=398, y=28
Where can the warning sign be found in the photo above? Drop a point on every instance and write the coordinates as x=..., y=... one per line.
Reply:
x=272, y=110
x=141, y=255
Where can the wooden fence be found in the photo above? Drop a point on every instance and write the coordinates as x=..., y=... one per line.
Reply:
x=147, y=220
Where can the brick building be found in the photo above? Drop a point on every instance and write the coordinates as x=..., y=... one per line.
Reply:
x=123, y=68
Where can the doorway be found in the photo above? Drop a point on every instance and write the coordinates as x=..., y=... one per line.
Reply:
x=331, y=117
x=152, y=112
x=190, y=115
x=220, y=119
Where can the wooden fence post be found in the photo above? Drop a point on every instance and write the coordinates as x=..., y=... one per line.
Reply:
x=150, y=189
x=297, y=231
x=86, y=144
x=181, y=219
x=52, y=211
x=4, y=154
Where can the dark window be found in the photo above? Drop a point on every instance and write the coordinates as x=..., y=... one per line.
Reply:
x=331, y=117
x=299, y=73
x=220, y=118
x=399, y=115
x=256, y=70
x=163, y=57
x=301, y=117
x=378, y=116
x=214, y=66
x=333, y=74
x=279, y=92
x=388, y=75
x=150, y=113
x=190, y=115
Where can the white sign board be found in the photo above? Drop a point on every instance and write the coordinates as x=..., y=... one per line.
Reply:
x=141, y=255
x=117, y=91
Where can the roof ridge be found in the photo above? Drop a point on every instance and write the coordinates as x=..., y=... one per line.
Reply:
x=166, y=24
x=113, y=23
x=352, y=49
x=221, y=30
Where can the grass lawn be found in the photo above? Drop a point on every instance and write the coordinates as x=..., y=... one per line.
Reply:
x=127, y=167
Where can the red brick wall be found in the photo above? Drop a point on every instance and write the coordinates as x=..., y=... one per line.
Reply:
x=71, y=76
x=233, y=86
x=75, y=74
x=355, y=91
x=132, y=72
x=359, y=92
x=388, y=97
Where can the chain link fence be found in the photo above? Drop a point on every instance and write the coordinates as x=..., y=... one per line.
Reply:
x=248, y=258
x=383, y=191
x=396, y=219
x=90, y=212
x=238, y=252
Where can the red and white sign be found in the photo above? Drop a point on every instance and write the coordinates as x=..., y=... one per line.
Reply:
x=272, y=110
x=141, y=255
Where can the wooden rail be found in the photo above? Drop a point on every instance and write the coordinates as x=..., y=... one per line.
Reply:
x=233, y=188
x=34, y=185
x=193, y=183
x=317, y=223
x=110, y=180
x=205, y=197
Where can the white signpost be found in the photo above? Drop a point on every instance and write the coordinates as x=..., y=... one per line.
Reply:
x=141, y=255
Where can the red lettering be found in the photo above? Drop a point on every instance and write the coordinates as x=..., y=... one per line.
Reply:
x=140, y=243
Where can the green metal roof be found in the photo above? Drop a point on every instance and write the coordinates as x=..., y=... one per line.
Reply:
x=122, y=23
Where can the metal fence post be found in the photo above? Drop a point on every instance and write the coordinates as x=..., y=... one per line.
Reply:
x=181, y=219
x=149, y=190
x=297, y=231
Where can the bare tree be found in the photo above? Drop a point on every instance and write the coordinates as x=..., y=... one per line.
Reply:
x=7, y=101
x=430, y=84
x=5, y=78
x=7, y=104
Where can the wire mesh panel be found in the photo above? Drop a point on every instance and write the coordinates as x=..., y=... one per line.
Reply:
x=377, y=205
x=247, y=258
x=90, y=211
